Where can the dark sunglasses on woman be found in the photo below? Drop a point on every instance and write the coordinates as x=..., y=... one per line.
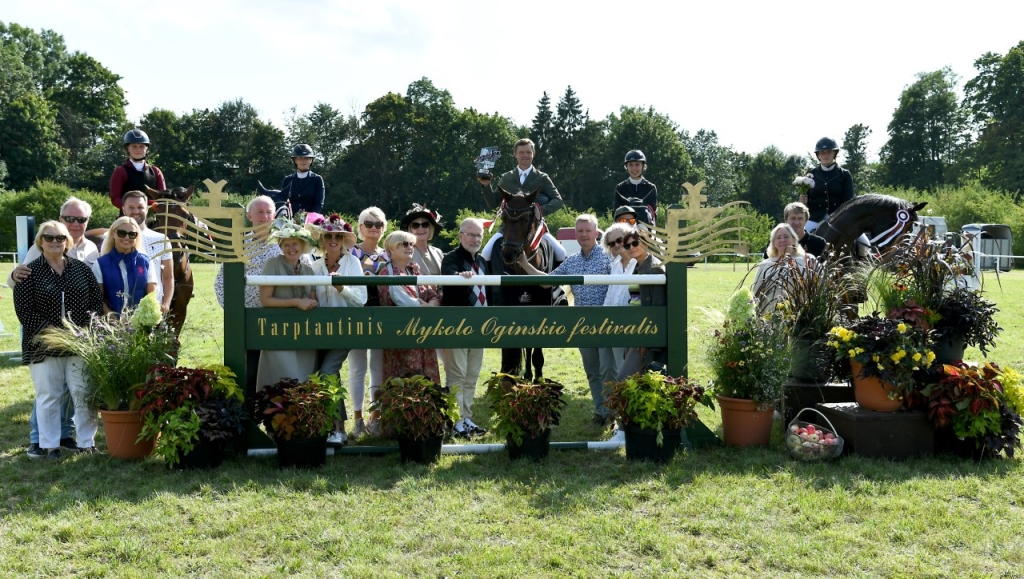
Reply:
x=373, y=224
x=129, y=234
x=52, y=238
x=630, y=244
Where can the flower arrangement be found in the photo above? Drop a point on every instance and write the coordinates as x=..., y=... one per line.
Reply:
x=976, y=404
x=182, y=406
x=803, y=183
x=333, y=222
x=749, y=354
x=654, y=401
x=291, y=409
x=966, y=313
x=282, y=228
x=117, y=351
x=523, y=409
x=889, y=348
x=415, y=408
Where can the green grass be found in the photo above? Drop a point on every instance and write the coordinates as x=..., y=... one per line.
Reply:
x=718, y=513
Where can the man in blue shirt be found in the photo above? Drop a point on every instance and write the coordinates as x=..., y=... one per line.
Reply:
x=591, y=260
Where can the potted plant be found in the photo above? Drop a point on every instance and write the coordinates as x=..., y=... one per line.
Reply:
x=814, y=304
x=749, y=359
x=937, y=278
x=523, y=413
x=190, y=413
x=976, y=410
x=652, y=409
x=299, y=416
x=418, y=413
x=117, y=353
x=883, y=354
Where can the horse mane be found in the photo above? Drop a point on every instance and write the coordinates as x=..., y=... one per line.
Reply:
x=872, y=200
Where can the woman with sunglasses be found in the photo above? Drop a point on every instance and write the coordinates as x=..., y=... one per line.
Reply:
x=295, y=242
x=424, y=224
x=371, y=257
x=58, y=288
x=123, y=270
x=637, y=358
x=400, y=246
x=335, y=241
x=622, y=263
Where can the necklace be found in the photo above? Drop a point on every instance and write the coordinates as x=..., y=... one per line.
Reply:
x=296, y=268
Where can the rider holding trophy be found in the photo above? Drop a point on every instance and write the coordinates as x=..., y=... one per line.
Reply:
x=525, y=177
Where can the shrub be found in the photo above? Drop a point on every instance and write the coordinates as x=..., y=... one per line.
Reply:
x=43, y=201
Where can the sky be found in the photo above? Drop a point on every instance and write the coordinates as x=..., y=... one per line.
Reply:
x=781, y=72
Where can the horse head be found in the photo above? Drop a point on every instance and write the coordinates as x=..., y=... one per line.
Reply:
x=882, y=218
x=282, y=205
x=172, y=210
x=520, y=217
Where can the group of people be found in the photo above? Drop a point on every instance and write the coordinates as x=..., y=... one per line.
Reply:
x=66, y=277
x=792, y=245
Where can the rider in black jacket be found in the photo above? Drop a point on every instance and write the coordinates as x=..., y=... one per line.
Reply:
x=636, y=186
x=304, y=188
x=833, y=185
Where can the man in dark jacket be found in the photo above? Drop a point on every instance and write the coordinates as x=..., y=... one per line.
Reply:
x=462, y=365
x=636, y=187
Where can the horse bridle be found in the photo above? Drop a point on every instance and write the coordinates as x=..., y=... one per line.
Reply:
x=531, y=212
x=885, y=237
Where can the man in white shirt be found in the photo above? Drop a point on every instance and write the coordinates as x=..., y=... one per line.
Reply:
x=135, y=204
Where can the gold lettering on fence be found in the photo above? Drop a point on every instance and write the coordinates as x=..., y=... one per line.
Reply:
x=297, y=330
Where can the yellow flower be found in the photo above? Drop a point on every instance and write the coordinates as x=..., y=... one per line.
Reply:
x=874, y=357
x=917, y=357
x=902, y=327
x=881, y=367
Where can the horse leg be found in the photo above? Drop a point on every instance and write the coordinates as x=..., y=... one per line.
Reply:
x=511, y=361
x=538, y=365
x=527, y=373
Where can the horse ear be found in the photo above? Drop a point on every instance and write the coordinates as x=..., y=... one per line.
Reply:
x=152, y=193
x=919, y=206
x=532, y=196
x=189, y=192
x=504, y=194
x=261, y=189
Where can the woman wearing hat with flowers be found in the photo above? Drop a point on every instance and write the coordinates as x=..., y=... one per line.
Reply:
x=294, y=242
x=424, y=224
x=335, y=240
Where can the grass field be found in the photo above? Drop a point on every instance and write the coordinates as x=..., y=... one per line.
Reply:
x=710, y=513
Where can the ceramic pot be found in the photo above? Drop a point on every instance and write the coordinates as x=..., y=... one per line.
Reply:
x=302, y=452
x=420, y=451
x=949, y=349
x=121, y=429
x=642, y=443
x=534, y=448
x=745, y=423
x=871, y=393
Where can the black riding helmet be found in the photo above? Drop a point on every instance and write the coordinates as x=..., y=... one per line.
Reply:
x=635, y=155
x=302, y=150
x=826, y=144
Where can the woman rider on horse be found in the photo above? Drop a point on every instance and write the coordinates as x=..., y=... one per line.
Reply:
x=303, y=188
x=832, y=187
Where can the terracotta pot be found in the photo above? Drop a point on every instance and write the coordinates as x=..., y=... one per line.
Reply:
x=743, y=424
x=121, y=429
x=871, y=393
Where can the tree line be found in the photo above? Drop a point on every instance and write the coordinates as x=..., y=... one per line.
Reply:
x=62, y=118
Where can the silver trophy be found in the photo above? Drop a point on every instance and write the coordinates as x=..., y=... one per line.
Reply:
x=485, y=162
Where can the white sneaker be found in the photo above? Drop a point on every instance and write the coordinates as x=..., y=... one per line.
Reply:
x=337, y=438
x=359, y=429
x=618, y=436
x=472, y=427
x=460, y=430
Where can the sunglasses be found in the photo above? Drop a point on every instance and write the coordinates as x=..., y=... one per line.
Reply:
x=628, y=245
x=129, y=234
x=52, y=238
x=419, y=225
x=331, y=236
x=373, y=224
x=614, y=242
x=70, y=219
x=408, y=243
x=629, y=220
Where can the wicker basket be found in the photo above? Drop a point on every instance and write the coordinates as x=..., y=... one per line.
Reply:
x=809, y=442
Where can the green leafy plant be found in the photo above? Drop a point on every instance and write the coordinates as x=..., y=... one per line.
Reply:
x=182, y=406
x=656, y=402
x=522, y=409
x=891, y=349
x=973, y=402
x=415, y=408
x=117, y=351
x=749, y=354
x=292, y=409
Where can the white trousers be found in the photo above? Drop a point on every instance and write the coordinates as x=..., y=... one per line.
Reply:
x=462, y=371
x=559, y=250
x=49, y=377
x=357, y=374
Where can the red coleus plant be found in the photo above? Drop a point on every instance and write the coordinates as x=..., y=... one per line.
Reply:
x=967, y=398
x=167, y=388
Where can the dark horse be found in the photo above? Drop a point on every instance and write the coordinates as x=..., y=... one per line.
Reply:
x=172, y=215
x=282, y=205
x=882, y=218
x=522, y=228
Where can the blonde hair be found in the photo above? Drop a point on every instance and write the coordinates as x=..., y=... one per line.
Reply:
x=395, y=238
x=623, y=228
x=772, y=252
x=108, y=242
x=375, y=212
x=61, y=230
